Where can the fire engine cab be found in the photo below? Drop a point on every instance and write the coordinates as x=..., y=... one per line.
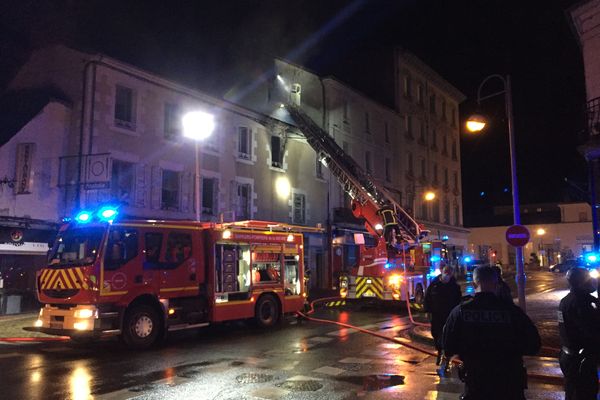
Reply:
x=140, y=279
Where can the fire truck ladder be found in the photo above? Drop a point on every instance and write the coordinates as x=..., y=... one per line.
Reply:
x=358, y=184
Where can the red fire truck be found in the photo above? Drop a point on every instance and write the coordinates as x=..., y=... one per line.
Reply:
x=385, y=266
x=140, y=279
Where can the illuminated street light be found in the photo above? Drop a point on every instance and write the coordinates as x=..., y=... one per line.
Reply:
x=476, y=123
x=197, y=125
x=429, y=195
x=541, y=232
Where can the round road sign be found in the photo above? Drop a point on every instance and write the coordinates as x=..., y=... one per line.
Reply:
x=517, y=235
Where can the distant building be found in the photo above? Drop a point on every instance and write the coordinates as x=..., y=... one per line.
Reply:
x=585, y=18
x=563, y=232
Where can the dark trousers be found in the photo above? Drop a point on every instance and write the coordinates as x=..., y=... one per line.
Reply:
x=494, y=382
x=581, y=376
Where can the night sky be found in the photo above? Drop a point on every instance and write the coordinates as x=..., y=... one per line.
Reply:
x=212, y=45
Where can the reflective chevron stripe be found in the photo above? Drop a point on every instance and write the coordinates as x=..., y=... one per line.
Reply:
x=336, y=303
x=369, y=287
x=66, y=278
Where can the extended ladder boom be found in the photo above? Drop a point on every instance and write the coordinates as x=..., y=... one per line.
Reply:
x=358, y=184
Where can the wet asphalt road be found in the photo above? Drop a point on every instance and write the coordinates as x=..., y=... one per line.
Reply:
x=303, y=360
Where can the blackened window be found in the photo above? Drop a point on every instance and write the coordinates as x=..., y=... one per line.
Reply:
x=244, y=143
x=299, y=208
x=276, y=153
x=125, y=107
x=172, y=121
x=121, y=181
x=170, y=190
x=209, y=196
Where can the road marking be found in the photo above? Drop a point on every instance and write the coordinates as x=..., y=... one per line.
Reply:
x=329, y=371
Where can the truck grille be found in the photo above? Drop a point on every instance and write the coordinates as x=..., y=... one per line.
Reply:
x=60, y=294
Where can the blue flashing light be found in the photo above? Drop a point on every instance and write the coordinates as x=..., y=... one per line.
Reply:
x=445, y=238
x=435, y=258
x=591, y=258
x=66, y=220
x=467, y=259
x=481, y=194
x=83, y=217
x=107, y=213
x=388, y=265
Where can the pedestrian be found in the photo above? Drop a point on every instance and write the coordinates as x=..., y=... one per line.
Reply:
x=502, y=289
x=442, y=295
x=491, y=337
x=579, y=329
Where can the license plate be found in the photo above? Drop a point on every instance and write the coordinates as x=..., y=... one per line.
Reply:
x=368, y=293
x=56, y=325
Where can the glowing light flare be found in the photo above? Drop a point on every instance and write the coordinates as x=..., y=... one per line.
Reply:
x=475, y=123
x=378, y=227
x=227, y=234
x=594, y=273
x=540, y=231
x=198, y=125
x=36, y=376
x=38, y=323
x=467, y=259
x=107, y=213
x=79, y=383
x=429, y=196
x=282, y=187
x=83, y=217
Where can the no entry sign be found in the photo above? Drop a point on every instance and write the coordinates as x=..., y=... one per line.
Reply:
x=517, y=235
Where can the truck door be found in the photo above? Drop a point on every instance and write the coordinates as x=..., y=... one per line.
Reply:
x=122, y=260
x=178, y=275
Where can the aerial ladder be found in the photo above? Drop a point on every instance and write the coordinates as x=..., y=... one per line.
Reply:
x=395, y=230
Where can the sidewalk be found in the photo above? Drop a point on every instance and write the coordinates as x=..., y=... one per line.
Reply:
x=11, y=326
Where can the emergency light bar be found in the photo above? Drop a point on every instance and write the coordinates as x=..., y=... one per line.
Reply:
x=104, y=214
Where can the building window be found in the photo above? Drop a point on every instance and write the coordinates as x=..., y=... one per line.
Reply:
x=453, y=117
x=345, y=110
x=295, y=93
x=410, y=167
x=210, y=190
x=446, y=177
x=435, y=173
x=445, y=145
x=455, y=176
x=432, y=104
x=122, y=181
x=423, y=137
x=443, y=109
x=454, y=153
x=242, y=209
x=408, y=126
x=447, y=212
x=407, y=86
x=170, y=190
x=436, y=210
x=172, y=121
x=276, y=152
x=367, y=123
x=368, y=162
x=125, y=108
x=456, y=215
x=420, y=94
x=319, y=167
x=244, y=143
x=386, y=132
x=424, y=209
x=388, y=167
x=423, y=169
x=433, y=139
x=299, y=208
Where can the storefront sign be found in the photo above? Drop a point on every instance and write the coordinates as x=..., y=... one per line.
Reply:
x=23, y=168
x=23, y=248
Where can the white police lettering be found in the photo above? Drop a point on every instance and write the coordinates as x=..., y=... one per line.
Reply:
x=486, y=316
x=560, y=317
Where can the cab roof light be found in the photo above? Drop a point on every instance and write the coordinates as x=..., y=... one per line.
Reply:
x=83, y=217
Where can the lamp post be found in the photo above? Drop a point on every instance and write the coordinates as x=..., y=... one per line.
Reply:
x=476, y=124
x=197, y=125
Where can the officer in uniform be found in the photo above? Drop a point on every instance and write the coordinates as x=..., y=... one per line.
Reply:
x=579, y=328
x=490, y=336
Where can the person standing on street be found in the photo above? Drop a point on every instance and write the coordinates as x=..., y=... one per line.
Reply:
x=491, y=337
x=579, y=329
x=442, y=295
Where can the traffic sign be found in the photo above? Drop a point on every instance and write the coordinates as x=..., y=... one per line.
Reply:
x=517, y=235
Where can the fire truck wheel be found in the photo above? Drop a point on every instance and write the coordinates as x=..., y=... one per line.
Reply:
x=419, y=294
x=141, y=327
x=267, y=311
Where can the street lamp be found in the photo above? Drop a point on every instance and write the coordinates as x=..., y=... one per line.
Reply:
x=429, y=195
x=476, y=124
x=197, y=125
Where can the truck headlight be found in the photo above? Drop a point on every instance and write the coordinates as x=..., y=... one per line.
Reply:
x=84, y=313
x=81, y=326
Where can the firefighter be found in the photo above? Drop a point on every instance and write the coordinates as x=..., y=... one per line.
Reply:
x=490, y=336
x=442, y=295
x=579, y=329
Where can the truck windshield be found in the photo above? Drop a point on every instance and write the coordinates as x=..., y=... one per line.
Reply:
x=78, y=246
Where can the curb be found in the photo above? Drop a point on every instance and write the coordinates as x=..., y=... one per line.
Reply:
x=34, y=339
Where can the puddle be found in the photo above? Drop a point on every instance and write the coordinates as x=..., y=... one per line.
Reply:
x=371, y=383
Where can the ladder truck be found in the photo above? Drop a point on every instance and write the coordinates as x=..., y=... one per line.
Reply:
x=385, y=269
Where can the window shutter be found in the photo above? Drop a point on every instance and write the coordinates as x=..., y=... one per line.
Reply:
x=156, y=187
x=141, y=188
x=186, y=191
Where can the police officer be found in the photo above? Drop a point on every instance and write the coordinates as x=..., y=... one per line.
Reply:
x=579, y=328
x=442, y=295
x=490, y=336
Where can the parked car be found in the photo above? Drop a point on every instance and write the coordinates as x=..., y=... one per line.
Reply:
x=565, y=266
